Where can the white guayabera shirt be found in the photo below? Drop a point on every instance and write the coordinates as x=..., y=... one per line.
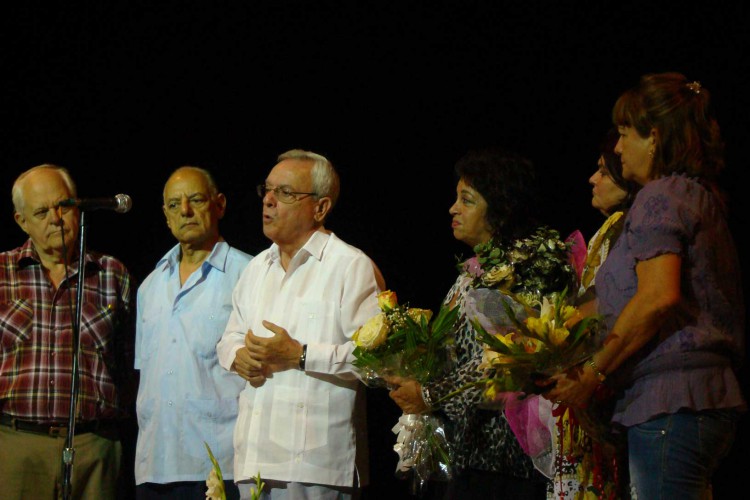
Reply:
x=300, y=426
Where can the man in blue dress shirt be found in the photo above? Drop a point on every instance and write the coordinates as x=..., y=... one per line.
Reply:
x=185, y=398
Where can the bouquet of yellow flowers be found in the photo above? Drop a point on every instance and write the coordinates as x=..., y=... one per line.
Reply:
x=409, y=342
x=520, y=310
x=523, y=344
x=401, y=340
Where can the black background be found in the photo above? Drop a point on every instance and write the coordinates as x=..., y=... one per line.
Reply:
x=393, y=93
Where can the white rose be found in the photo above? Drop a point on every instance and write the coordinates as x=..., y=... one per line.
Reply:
x=499, y=274
x=373, y=333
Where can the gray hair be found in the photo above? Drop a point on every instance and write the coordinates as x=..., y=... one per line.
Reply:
x=325, y=179
x=17, y=191
x=212, y=187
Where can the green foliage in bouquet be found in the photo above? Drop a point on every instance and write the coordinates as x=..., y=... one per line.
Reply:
x=529, y=267
x=403, y=341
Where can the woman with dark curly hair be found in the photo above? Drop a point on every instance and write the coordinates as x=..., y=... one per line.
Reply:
x=495, y=205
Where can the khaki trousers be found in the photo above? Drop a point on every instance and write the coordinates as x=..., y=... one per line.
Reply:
x=32, y=469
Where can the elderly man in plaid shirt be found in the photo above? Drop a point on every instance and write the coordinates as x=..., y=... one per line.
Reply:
x=38, y=290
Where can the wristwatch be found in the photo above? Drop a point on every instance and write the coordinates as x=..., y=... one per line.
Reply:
x=303, y=357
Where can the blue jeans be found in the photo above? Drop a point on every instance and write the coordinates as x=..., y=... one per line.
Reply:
x=675, y=456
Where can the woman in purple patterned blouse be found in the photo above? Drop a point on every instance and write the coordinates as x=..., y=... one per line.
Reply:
x=671, y=292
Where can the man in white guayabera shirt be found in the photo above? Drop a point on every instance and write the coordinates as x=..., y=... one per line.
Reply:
x=296, y=306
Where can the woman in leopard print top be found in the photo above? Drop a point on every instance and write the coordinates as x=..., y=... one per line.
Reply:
x=495, y=199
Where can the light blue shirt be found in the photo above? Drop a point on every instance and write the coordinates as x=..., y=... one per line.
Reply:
x=185, y=397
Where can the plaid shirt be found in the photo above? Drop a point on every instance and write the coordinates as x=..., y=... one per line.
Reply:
x=36, y=335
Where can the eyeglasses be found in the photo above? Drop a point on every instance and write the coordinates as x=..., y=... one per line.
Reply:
x=282, y=193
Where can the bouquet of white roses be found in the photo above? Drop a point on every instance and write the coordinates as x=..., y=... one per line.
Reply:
x=401, y=340
x=409, y=342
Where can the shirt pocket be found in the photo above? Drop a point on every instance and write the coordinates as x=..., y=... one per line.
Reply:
x=210, y=421
x=16, y=319
x=318, y=319
x=149, y=327
x=299, y=418
x=210, y=330
x=97, y=327
x=96, y=360
x=148, y=430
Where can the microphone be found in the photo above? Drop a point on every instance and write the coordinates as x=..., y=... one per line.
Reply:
x=120, y=203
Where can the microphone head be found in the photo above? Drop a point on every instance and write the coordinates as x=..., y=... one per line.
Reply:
x=124, y=203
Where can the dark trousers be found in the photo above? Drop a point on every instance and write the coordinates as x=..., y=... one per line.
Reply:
x=476, y=485
x=184, y=490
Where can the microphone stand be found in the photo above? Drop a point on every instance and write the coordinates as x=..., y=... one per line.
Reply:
x=69, y=452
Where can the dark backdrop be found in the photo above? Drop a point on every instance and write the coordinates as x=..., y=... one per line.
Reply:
x=393, y=93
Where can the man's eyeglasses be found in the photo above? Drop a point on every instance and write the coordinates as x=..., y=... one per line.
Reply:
x=282, y=193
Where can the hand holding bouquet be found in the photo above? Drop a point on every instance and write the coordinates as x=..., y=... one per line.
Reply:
x=408, y=342
x=523, y=344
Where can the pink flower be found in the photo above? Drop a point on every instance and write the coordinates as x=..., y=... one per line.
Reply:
x=473, y=268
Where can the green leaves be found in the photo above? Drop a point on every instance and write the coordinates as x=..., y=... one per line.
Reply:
x=217, y=468
x=215, y=481
x=537, y=265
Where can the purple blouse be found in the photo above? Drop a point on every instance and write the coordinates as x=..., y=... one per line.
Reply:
x=690, y=363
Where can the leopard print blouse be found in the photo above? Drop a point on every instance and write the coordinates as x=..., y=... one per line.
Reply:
x=480, y=439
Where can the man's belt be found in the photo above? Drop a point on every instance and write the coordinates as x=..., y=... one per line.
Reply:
x=53, y=429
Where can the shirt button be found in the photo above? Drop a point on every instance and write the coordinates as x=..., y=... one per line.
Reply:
x=170, y=403
x=171, y=372
x=300, y=405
